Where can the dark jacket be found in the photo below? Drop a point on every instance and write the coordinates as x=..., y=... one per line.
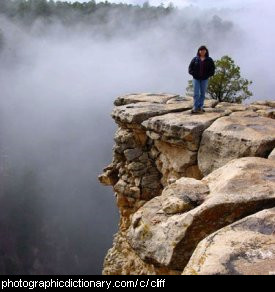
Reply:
x=209, y=69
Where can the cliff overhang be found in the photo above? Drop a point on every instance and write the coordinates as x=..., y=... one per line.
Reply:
x=179, y=178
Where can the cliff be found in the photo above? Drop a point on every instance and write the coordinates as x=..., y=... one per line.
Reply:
x=196, y=193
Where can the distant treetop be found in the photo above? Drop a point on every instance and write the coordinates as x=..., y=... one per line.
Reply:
x=69, y=12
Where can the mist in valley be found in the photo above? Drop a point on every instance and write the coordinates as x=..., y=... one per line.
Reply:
x=59, y=76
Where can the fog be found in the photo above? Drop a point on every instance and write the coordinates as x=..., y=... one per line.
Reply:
x=58, y=85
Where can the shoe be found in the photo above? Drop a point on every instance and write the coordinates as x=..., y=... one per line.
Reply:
x=201, y=110
x=194, y=111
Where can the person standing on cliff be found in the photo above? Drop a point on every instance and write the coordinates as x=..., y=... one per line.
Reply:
x=201, y=68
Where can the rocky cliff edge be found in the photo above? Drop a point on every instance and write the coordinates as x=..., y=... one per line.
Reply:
x=195, y=192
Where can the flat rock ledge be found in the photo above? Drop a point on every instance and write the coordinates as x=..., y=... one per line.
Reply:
x=178, y=178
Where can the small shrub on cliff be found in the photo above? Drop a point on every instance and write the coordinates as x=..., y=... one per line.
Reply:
x=227, y=84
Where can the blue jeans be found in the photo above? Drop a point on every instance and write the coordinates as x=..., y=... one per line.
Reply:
x=200, y=87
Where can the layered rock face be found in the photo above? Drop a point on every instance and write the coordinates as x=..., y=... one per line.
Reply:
x=195, y=192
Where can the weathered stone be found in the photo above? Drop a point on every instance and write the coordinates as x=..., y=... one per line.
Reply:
x=171, y=180
x=125, y=137
x=208, y=102
x=140, y=137
x=246, y=247
x=180, y=99
x=147, y=193
x=139, y=172
x=245, y=114
x=109, y=175
x=144, y=97
x=235, y=136
x=122, y=260
x=109, y=167
x=268, y=113
x=153, y=170
x=256, y=107
x=124, y=202
x=144, y=157
x=154, y=153
x=188, y=193
x=232, y=106
x=241, y=187
x=122, y=171
x=136, y=113
x=193, y=171
x=137, y=181
x=183, y=128
x=173, y=160
x=135, y=192
x=228, y=104
x=124, y=188
x=132, y=154
x=183, y=195
x=178, y=158
x=119, y=148
x=120, y=186
x=175, y=205
x=136, y=166
x=149, y=180
x=125, y=177
x=270, y=103
x=153, y=135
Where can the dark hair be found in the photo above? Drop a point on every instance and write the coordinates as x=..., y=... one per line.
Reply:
x=201, y=48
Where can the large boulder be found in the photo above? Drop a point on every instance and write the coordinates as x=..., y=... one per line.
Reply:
x=166, y=230
x=237, y=135
x=246, y=247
